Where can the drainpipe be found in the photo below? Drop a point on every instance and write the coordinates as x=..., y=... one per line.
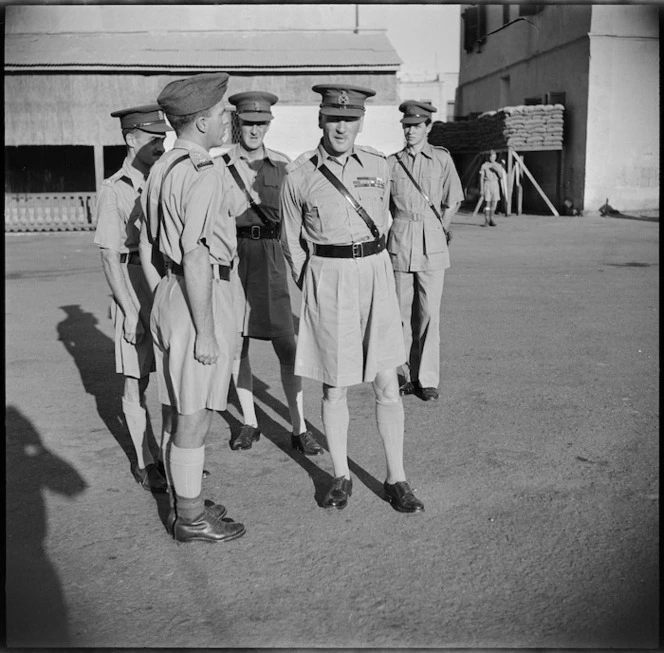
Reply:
x=357, y=20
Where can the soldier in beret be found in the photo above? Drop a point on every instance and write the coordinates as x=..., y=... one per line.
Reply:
x=334, y=206
x=193, y=320
x=118, y=207
x=426, y=193
x=252, y=177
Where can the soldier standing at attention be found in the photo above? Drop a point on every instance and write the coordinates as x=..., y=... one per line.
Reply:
x=252, y=179
x=334, y=207
x=426, y=193
x=118, y=207
x=193, y=321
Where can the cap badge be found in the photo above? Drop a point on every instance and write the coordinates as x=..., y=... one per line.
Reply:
x=343, y=97
x=257, y=106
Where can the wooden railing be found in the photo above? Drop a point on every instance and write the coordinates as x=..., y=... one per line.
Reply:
x=50, y=211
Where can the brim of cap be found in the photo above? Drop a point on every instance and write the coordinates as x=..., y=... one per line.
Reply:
x=341, y=113
x=156, y=128
x=412, y=120
x=255, y=116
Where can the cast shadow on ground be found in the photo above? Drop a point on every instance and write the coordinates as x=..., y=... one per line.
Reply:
x=280, y=437
x=35, y=605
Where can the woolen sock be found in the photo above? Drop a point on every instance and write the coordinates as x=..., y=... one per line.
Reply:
x=187, y=470
x=187, y=509
x=136, y=420
x=335, y=422
x=165, y=454
x=294, y=396
x=390, y=420
x=245, y=392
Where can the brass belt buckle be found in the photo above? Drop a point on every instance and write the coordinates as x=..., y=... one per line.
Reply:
x=357, y=250
x=256, y=232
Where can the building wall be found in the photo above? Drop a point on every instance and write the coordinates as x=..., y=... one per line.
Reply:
x=623, y=136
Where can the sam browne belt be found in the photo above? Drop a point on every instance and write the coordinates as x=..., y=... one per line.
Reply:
x=356, y=250
x=256, y=232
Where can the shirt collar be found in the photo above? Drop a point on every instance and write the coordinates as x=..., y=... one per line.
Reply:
x=236, y=152
x=427, y=151
x=184, y=144
x=323, y=155
x=136, y=176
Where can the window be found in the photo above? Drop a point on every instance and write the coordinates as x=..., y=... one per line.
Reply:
x=505, y=93
x=555, y=97
x=532, y=100
x=474, y=26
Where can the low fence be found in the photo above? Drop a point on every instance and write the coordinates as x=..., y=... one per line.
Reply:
x=50, y=211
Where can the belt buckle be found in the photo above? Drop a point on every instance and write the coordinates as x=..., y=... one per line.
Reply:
x=255, y=232
x=357, y=250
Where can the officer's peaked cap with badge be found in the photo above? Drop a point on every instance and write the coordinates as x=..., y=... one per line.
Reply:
x=415, y=112
x=254, y=105
x=148, y=118
x=343, y=99
x=193, y=94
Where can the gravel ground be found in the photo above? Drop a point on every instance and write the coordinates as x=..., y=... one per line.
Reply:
x=538, y=467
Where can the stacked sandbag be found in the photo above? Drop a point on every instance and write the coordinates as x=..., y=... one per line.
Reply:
x=529, y=127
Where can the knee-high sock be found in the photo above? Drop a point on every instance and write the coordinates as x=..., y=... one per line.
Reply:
x=136, y=420
x=165, y=453
x=244, y=388
x=187, y=470
x=335, y=422
x=390, y=420
x=293, y=390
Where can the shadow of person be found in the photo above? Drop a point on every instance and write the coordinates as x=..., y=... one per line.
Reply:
x=36, y=611
x=280, y=438
x=94, y=355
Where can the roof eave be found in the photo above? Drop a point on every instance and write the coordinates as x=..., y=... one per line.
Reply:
x=51, y=68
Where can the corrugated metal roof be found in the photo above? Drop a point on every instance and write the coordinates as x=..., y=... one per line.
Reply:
x=231, y=51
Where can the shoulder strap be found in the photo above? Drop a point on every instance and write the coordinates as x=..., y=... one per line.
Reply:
x=161, y=188
x=424, y=195
x=327, y=173
x=238, y=180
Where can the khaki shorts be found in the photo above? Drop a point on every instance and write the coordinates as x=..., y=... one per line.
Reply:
x=184, y=383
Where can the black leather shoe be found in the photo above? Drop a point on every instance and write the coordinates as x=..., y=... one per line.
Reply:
x=207, y=528
x=337, y=495
x=149, y=478
x=429, y=394
x=245, y=438
x=408, y=388
x=306, y=444
x=215, y=508
x=402, y=498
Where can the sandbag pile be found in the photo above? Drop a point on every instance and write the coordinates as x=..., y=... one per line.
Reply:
x=529, y=127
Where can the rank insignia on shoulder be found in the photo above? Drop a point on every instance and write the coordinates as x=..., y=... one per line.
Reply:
x=200, y=161
x=369, y=182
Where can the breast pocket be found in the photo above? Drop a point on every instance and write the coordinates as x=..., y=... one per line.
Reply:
x=372, y=199
x=269, y=193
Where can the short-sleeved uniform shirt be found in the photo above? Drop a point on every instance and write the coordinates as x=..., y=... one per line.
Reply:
x=417, y=241
x=491, y=174
x=118, y=213
x=182, y=206
x=350, y=326
x=263, y=300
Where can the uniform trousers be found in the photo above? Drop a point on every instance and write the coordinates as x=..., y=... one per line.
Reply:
x=420, y=296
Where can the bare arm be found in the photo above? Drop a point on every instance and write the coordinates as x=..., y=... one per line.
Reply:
x=124, y=294
x=198, y=282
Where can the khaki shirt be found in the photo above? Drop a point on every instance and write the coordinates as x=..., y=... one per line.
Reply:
x=313, y=211
x=262, y=179
x=417, y=241
x=191, y=199
x=118, y=210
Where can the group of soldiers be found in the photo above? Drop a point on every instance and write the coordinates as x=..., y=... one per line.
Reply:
x=196, y=251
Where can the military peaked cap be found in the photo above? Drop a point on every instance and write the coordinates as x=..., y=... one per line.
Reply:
x=193, y=94
x=415, y=112
x=254, y=105
x=343, y=99
x=147, y=117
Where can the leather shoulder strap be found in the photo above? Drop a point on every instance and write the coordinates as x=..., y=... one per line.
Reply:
x=161, y=188
x=327, y=173
x=238, y=180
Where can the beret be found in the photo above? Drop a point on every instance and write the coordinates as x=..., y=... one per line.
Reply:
x=415, y=112
x=147, y=117
x=343, y=99
x=192, y=94
x=254, y=105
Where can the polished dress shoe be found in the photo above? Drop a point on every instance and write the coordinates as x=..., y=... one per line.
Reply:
x=429, y=394
x=402, y=498
x=306, y=444
x=207, y=527
x=161, y=469
x=149, y=478
x=408, y=388
x=245, y=438
x=337, y=495
x=217, y=509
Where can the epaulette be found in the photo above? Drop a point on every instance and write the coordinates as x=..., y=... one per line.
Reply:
x=300, y=161
x=279, y=156
x=199, y=160
x=370, y=150
x=440, y=147
x=116, y=176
